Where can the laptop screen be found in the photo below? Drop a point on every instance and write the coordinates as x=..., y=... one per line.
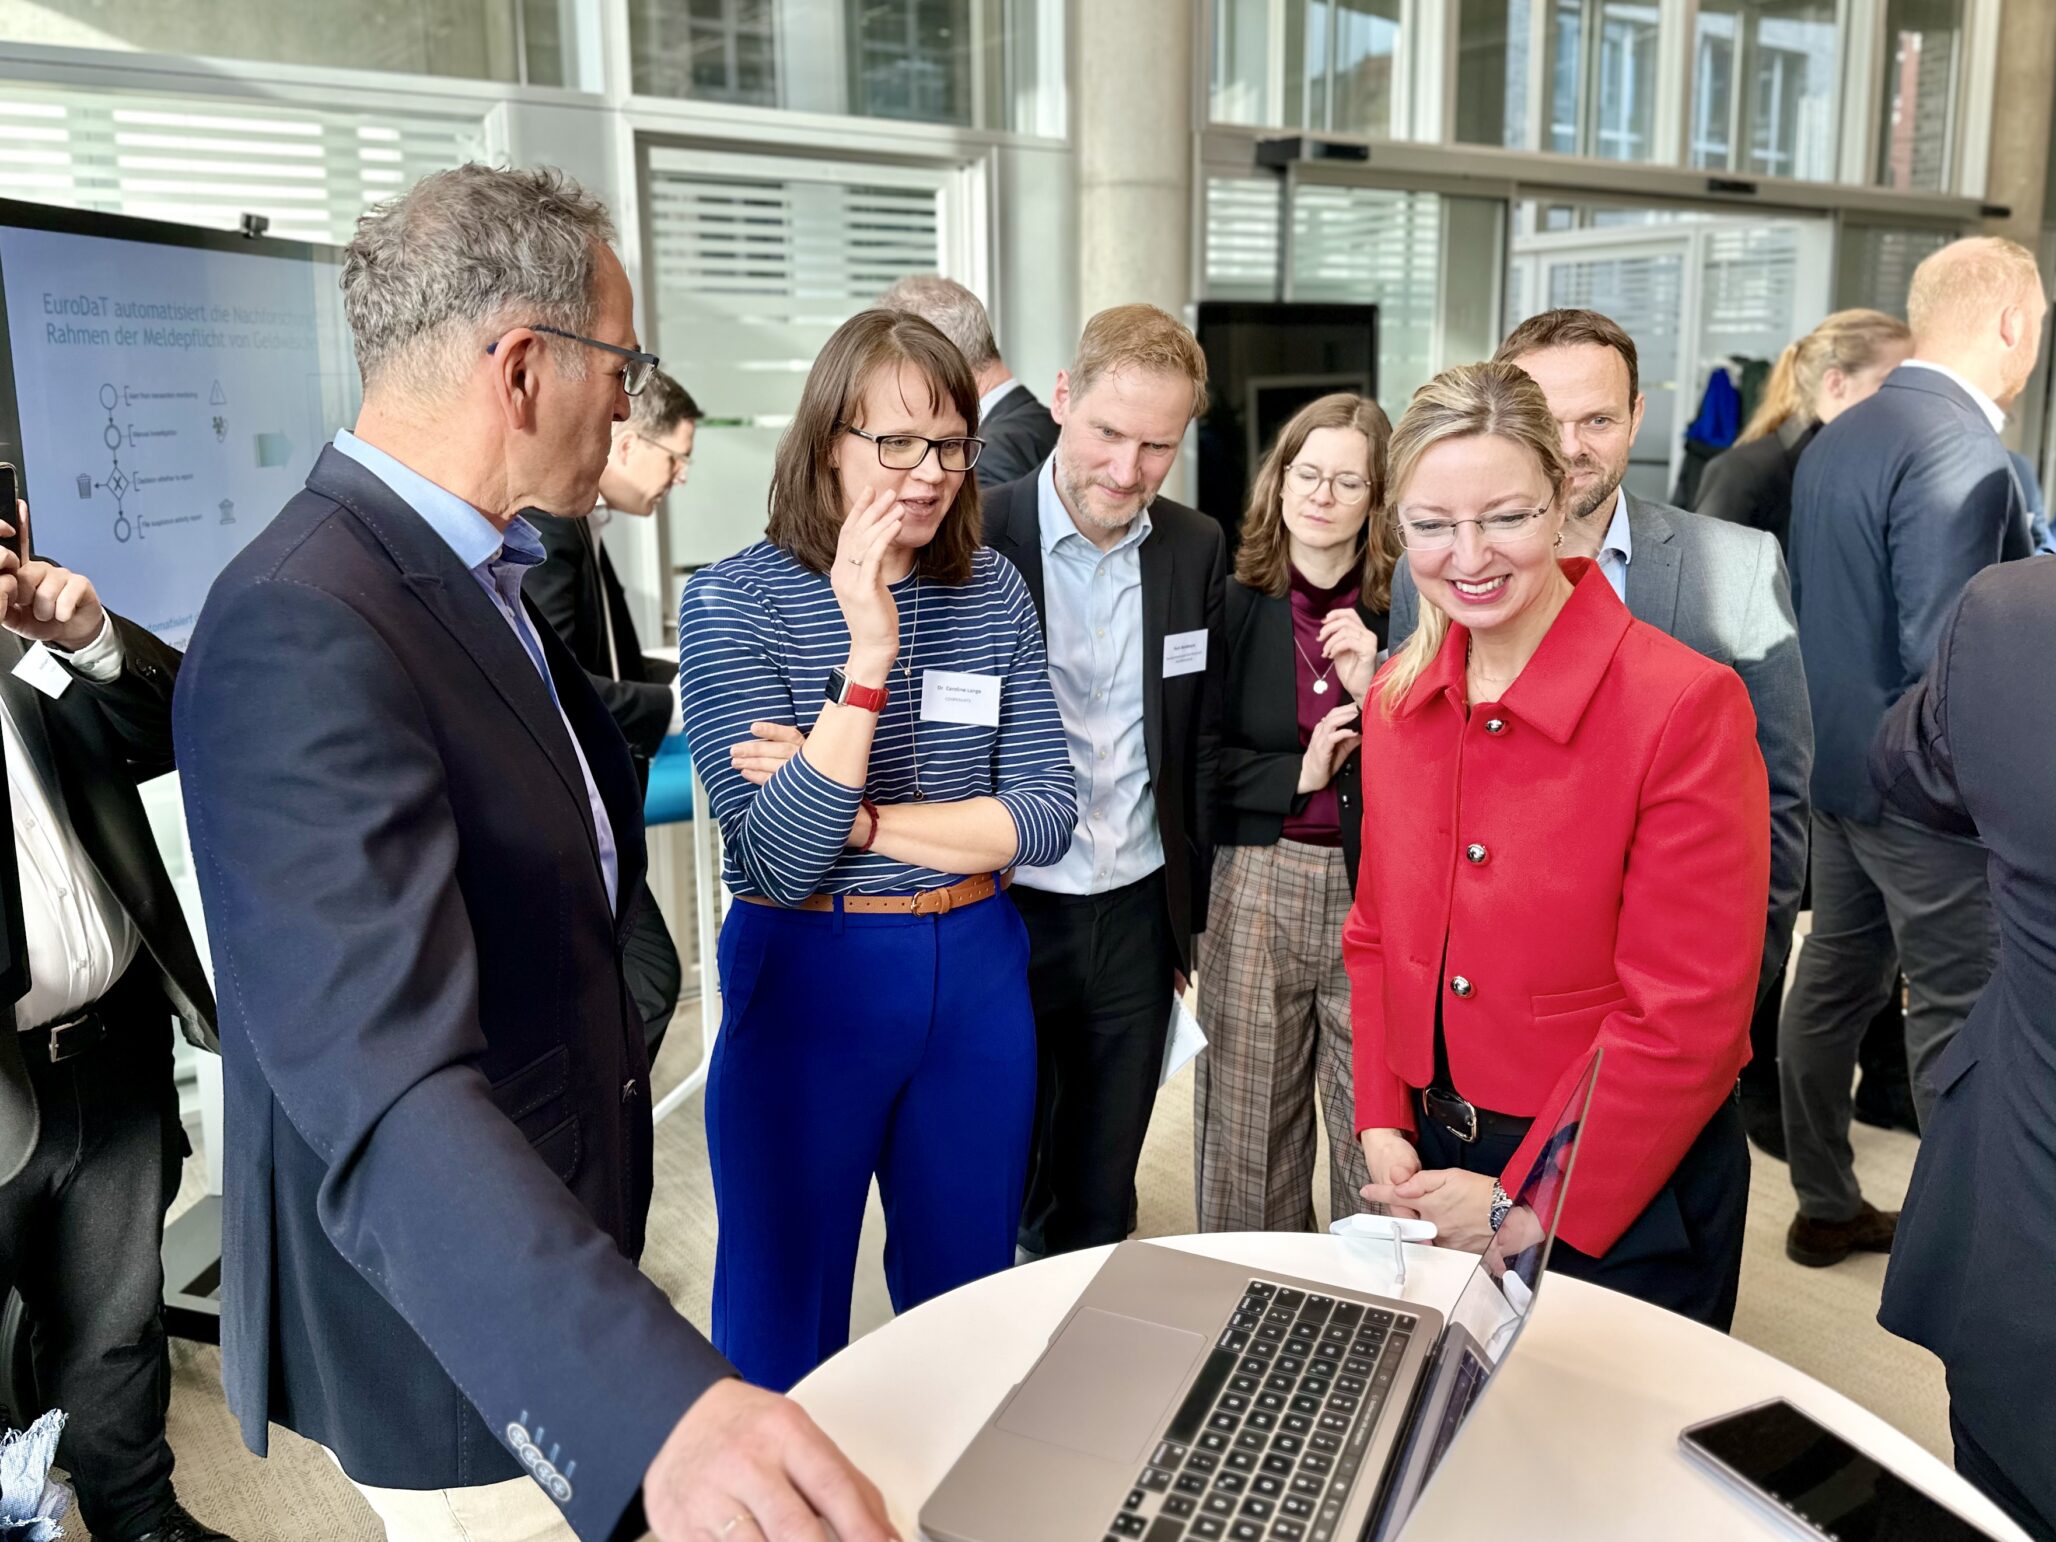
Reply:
x=1493, y=1308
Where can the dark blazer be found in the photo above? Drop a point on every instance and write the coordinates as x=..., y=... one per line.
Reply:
x=1751, y=484
x=438, y=1108
x=93, y=747
x=1260, y=748
x=1968, y=751
x=1018, y=438
x=576, y=591
x=1721, y=591
x=1897, y=504
x=1184, y=584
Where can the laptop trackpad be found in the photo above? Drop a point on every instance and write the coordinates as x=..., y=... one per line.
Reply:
x=1105, y=1387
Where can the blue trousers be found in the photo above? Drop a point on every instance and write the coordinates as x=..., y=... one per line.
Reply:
x=853, y=1045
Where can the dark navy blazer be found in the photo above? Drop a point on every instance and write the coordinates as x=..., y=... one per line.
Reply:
x=437, y=1165
x=1896, y=505
x=1968, y=751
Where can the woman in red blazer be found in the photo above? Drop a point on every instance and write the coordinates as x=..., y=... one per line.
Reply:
x=1587, y=862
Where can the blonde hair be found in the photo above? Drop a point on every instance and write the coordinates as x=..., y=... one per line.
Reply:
x=1139, y=337
x=1966, y=284
x=1471, y=401
x=1263, y=560
x=1848, y=341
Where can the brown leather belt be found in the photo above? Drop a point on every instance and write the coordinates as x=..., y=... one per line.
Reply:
x=929, y=902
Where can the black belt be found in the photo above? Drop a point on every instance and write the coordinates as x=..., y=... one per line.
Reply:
x=1464, y=1119
x=54, y=1043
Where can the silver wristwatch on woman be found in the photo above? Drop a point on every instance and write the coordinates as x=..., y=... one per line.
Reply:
x=1500, y=1204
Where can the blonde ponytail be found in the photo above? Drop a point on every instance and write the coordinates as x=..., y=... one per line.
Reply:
x=1849, y=341
x=1781, y=397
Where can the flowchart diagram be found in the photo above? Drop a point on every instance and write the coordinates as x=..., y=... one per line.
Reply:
x=138, y=420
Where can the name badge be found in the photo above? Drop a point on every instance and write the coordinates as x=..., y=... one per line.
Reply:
x=42, y=671
x=1184, y=653
x=949, y=697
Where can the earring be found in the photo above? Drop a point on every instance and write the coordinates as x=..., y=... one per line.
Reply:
x=1559, y=538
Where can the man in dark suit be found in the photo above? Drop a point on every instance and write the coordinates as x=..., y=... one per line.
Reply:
x=1897, y=504
x=1017, y=429
x=418, y=841
x=90, y=1143
x=1131, y=589
x=1718, y=588
x=576, y=590
x=1966, y=753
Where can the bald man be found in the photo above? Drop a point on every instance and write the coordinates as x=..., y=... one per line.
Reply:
x=1897, y=505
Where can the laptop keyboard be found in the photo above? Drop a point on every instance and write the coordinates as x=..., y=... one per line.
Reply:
x=1270, y=1437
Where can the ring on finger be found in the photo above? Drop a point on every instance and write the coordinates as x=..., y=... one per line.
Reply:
x=734, y=1521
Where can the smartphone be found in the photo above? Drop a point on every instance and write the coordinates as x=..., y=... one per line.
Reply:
x=1803, y=1473
x=10, y=510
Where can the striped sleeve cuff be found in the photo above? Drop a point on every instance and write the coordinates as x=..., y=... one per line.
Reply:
x=807, y=817
x=1042, y=825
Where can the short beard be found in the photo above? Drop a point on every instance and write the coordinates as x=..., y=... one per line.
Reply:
x=1081, y=506
x=1593, y=502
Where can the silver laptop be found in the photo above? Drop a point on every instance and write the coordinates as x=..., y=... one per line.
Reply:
x=1187, y=1399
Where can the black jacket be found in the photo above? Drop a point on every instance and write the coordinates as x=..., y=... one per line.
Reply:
x=1261, y=750
x=1968, y=751
x=1184, y=580
x=1018, y=438
x=577, y=593
x=438, y=1159
x=1751, y=484
x=93, y=747
x=1897, y=505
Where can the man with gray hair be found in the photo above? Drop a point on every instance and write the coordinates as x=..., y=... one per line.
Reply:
x=1896, y=505
x=1017, y=429
x=419, y=843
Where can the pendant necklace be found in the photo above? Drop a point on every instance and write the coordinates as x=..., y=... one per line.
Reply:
x=906, y=669
x=1320, y=680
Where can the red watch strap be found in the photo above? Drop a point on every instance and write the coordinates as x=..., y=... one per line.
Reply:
x=870, y=697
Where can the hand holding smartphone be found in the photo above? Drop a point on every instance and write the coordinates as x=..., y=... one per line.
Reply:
x=14, y=512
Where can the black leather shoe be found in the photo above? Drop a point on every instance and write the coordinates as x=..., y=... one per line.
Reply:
x=180, y=1527
x=1763, y=1117
x=1817, y=1244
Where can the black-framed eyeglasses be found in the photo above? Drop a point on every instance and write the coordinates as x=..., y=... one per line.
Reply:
x=680, y=459
x=903, y=452
x=633, y=378
x=1507, y=528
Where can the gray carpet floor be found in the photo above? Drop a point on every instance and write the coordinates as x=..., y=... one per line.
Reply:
x=1821, y=1320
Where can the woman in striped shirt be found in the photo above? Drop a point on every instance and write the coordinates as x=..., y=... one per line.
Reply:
x=881, y=680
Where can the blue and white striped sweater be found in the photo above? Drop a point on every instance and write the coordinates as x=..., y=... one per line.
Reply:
x=758, y=634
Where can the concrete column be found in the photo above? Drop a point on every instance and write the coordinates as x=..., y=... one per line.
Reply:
x=2023, y=97
x=1132, y=78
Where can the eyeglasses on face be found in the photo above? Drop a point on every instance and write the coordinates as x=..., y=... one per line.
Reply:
x=634, y=376
x=1348, y=487
x=681, y=460
x=1508, y=527
x=903, y=452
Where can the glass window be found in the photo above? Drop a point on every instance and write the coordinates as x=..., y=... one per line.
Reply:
x=1596, y=76
x=1764, y=87
x=1923, y=42
x=979, y=63
x=209, y=161
x=1327, y=65
x=1874, y=264
x=473, y=39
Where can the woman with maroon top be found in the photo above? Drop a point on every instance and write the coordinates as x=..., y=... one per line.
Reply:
x=1305, y=611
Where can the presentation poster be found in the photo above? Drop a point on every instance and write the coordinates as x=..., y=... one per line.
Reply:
x=171, y=400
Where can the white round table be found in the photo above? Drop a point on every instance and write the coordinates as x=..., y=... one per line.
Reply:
x=1578, y=1437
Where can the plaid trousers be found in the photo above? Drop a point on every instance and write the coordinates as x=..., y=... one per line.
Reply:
x=1274, y=998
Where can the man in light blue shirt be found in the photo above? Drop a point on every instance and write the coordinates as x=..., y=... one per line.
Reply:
x=1131, y=588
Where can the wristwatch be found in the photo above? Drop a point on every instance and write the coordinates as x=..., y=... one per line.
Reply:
x=845, y=692
x=1500, y=1204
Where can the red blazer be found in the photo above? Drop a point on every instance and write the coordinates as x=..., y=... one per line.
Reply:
x=1591, y=858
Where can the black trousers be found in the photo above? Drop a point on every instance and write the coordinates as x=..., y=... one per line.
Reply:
x=652, y=971
x=1099, y=976
x=1976, y=1464
x=1683, y=1252
x=81, y=1237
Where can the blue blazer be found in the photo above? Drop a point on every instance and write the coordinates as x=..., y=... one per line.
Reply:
x=437, y=1164
x=1895, y=506
x=1968, y=751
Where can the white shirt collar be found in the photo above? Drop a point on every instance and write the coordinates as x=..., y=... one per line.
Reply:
x=995, y=396
x=1617, y=537
x=1991, y=409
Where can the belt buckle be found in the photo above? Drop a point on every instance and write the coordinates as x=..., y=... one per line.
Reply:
x=939, y=902
x=73, y=1036
x=1447, y=1100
